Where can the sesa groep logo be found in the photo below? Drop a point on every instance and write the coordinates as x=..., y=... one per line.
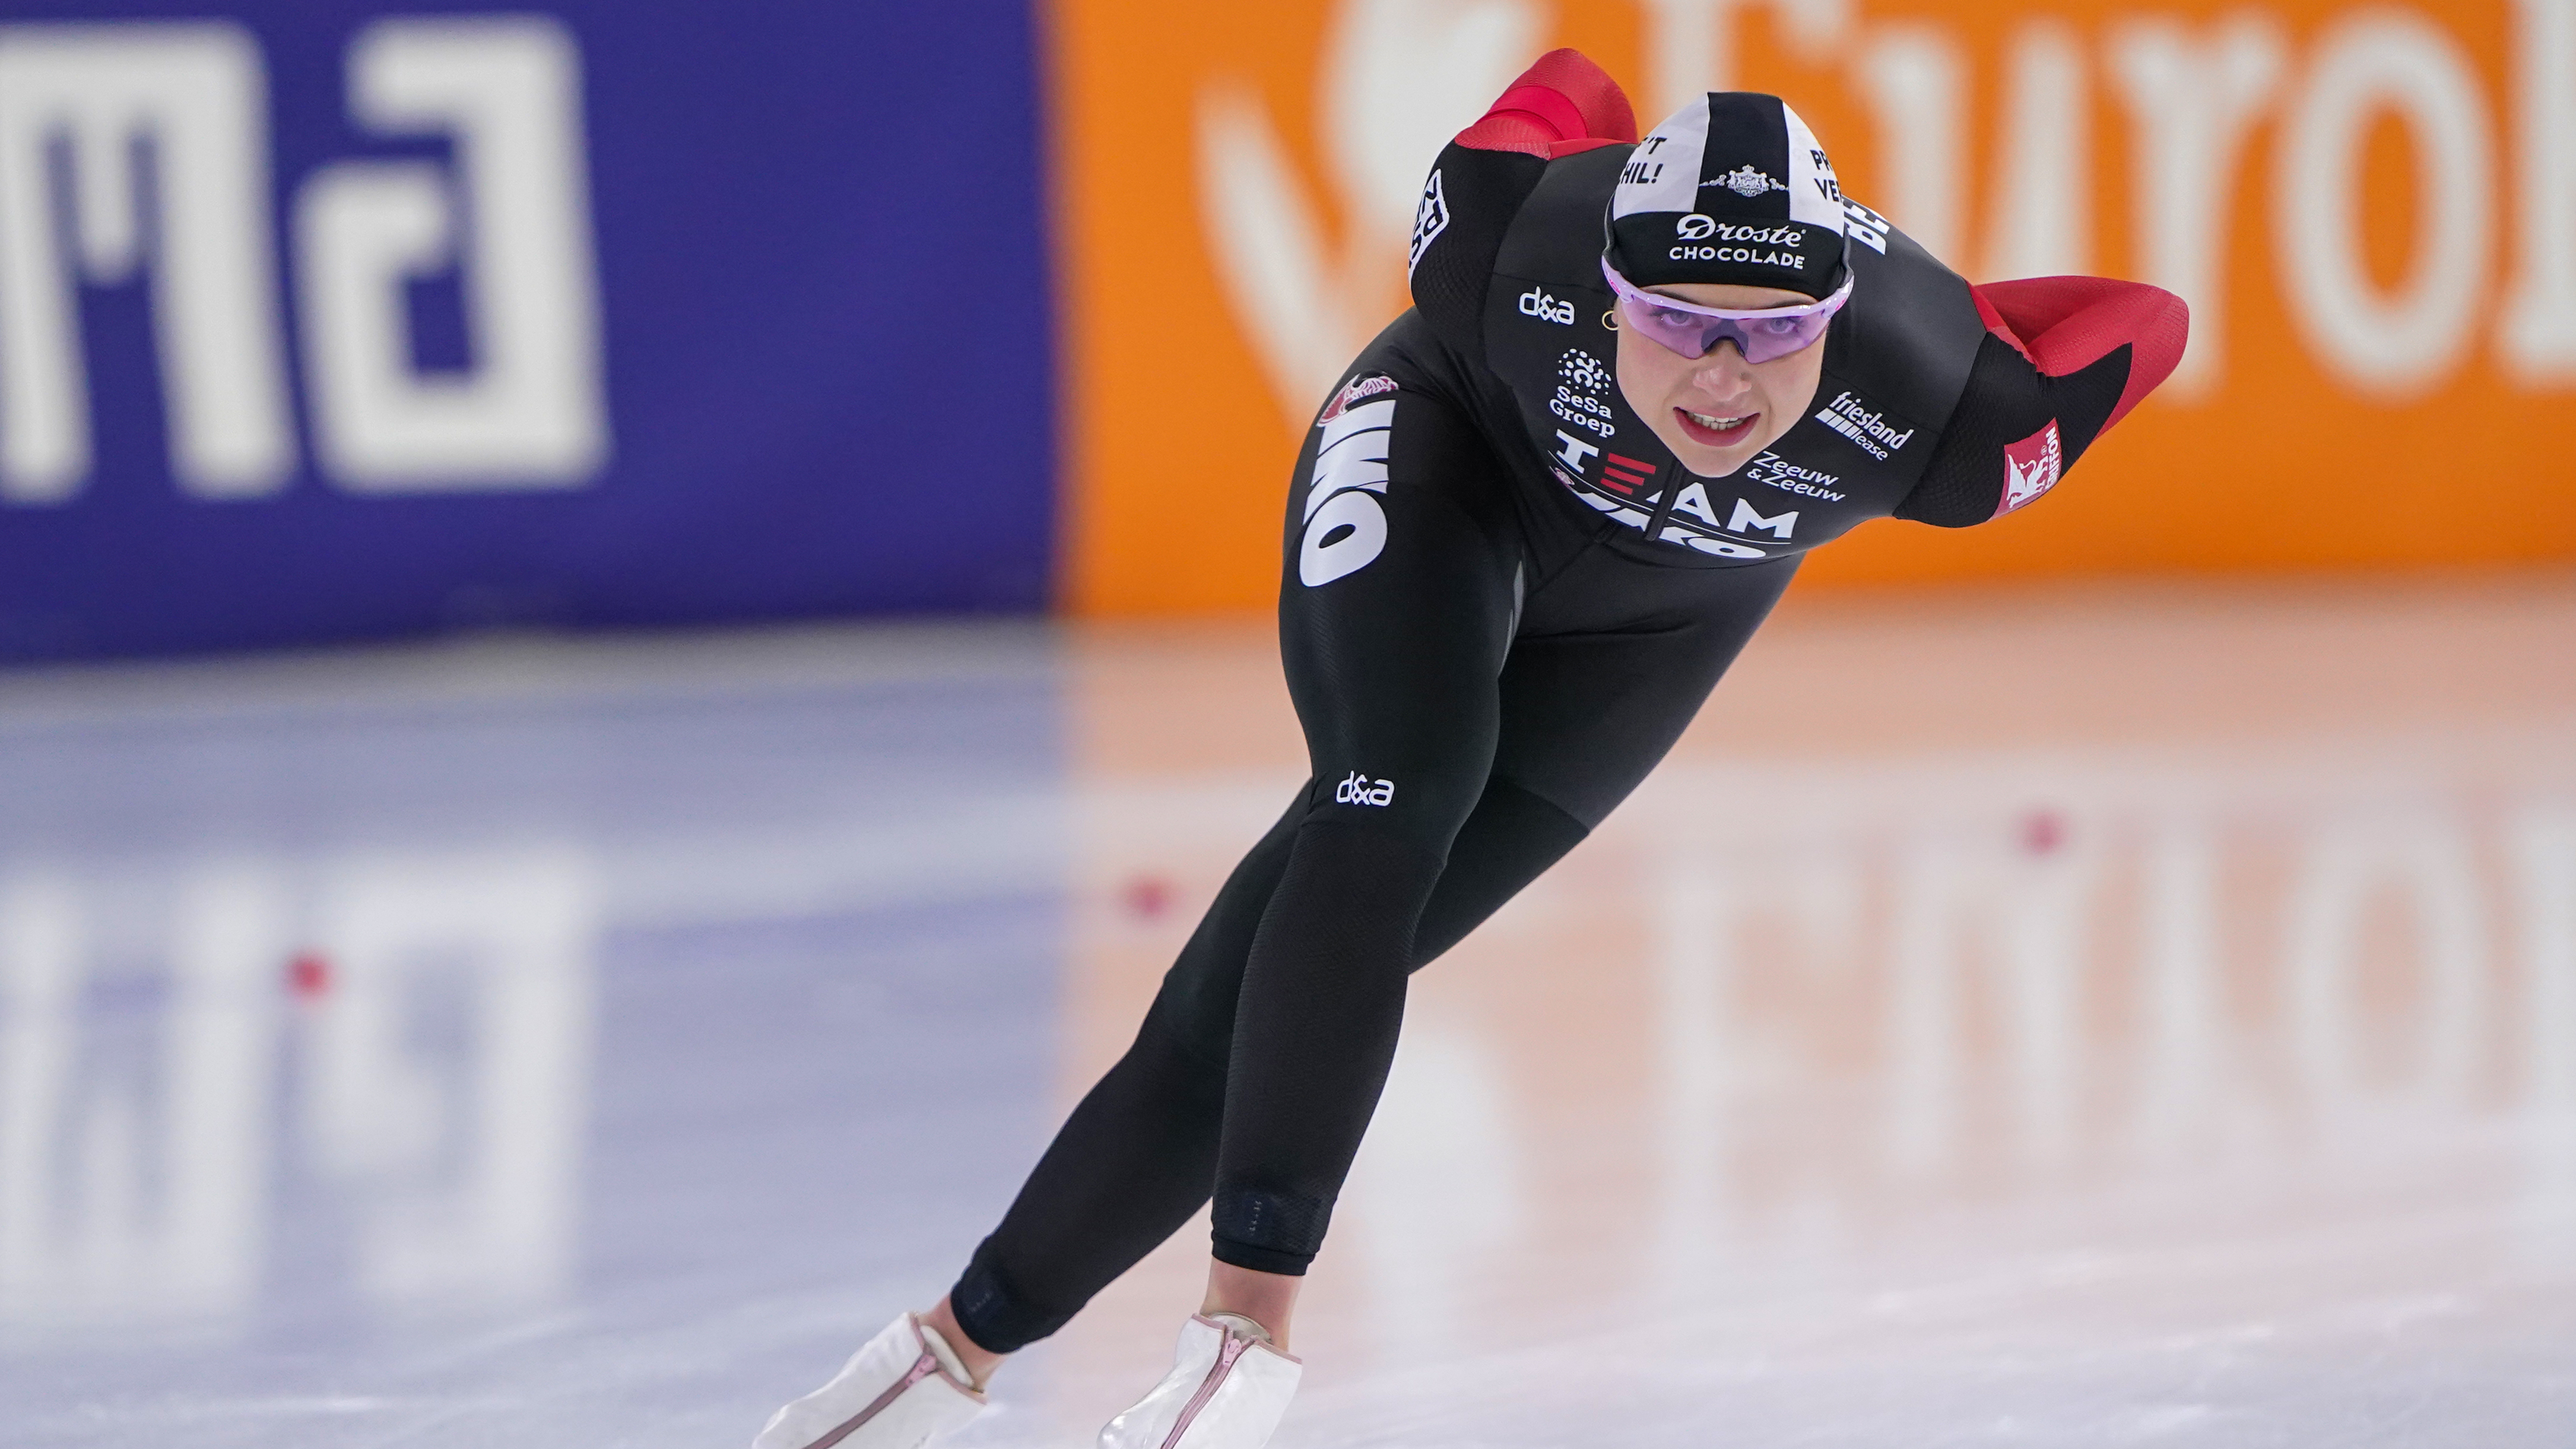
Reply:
x=1536, y=303
x=1359, y=789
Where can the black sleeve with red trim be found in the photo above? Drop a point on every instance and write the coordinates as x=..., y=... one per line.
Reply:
x=2076, y=351
x=1561, y=105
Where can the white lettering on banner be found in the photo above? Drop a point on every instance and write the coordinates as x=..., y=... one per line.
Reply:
x=2192, y=101
x=531, y=413
x=1745, y=520
x=2192, y=92
x=2041, y=224
x=2538, y=339
x=195, y=92
x=1914, y=78
x=1304, y=264
x=1692, y=42
x=2398, y=344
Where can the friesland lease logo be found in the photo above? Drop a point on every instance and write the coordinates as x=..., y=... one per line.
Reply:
x=1430, y=218
x=1868, y=430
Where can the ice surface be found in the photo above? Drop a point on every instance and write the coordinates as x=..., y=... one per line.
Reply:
x=2124, y=1018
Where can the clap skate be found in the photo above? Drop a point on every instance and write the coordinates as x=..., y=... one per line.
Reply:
x=903, y=1390
x=1227, y=1390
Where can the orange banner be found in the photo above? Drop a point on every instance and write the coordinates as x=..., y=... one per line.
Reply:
x=2371, y=209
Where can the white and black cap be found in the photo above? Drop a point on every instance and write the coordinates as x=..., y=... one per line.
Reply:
x=1730, y=189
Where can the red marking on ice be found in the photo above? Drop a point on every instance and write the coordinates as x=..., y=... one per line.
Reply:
x=2043, y=831
x=309, y=975
x=1147, y=896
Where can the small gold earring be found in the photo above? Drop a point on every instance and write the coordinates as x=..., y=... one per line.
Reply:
x=1610, y=319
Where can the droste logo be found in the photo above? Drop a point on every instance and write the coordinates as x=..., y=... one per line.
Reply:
x=1748, y=182
x=2370, y=208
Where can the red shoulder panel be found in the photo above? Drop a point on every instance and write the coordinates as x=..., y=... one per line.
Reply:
x=2066, y=324
x=1562, y=104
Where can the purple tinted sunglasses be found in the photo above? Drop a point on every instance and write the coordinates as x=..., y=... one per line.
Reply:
x=1692, y=330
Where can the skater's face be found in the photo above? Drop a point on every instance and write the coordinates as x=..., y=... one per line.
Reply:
x=1716, y=411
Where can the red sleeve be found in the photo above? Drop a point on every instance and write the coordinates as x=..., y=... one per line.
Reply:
x=2066, y=324
x=1560, y=105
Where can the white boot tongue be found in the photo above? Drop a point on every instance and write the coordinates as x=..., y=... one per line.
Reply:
x=1236, y=1323
x=947, y=1356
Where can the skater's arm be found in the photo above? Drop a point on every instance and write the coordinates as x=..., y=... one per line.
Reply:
x=1560, y=106
x=2062, y=360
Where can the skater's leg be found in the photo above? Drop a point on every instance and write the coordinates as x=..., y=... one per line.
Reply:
x=1135, y=1159
x=1393, y=664
x=1416, y=635
x=1587, y=711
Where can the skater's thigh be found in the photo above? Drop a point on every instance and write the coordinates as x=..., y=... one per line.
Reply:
x=1396, y=602
x=1394, y=613
x=1600, y=684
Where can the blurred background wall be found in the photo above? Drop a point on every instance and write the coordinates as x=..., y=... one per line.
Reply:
x=2370, y=207
x=325, y=320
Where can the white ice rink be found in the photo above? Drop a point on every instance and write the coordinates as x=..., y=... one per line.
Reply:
x=2103, y=1017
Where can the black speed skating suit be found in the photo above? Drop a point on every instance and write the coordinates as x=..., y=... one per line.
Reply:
x=1502, y=600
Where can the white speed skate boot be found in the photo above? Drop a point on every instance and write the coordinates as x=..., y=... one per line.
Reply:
x=1227, y=1390
x=902, y=1390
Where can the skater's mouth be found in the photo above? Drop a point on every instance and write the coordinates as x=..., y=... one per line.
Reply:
x=1715, y=430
